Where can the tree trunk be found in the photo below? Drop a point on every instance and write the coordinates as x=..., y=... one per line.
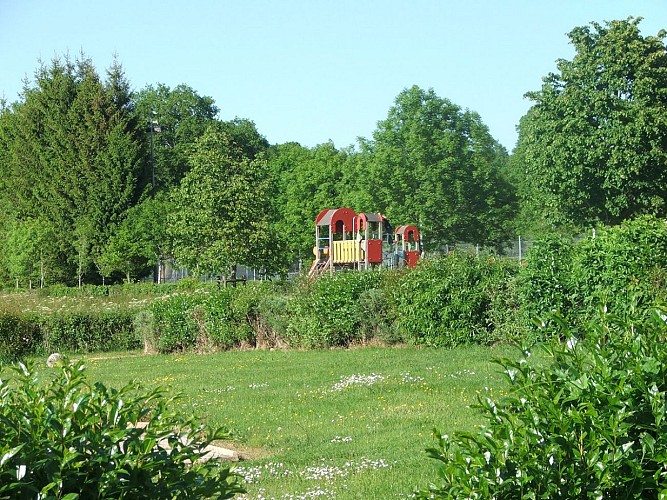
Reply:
x=232, y=274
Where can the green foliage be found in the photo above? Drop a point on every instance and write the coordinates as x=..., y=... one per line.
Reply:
x=310, y=181
x=374, y=316
x=63, y=437
x=230, y=314
x=174, y=321
x=66, y=331
x=545, y=279
x=272, y=320
x=621, y=262
x=19, y=335
x=182, y=116
x=138, y=242
x=589, y=423
x=28, y=251
x=70, y=157
x=220, y=216
x=134, y=290
x=503, y=318
x=207, y=319
x=89, y=331
x=592, y=148
x=445, y=302
x=435, y=165
x=326, y=312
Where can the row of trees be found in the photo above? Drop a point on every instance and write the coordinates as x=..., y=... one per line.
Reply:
x=98, y=182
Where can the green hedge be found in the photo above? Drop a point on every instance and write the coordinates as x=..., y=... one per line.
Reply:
x=89, y=332
x=614, y=266
x=20, y=335
x=445, y=302
x=450, y=301
x=29, y=334
x=325, y=312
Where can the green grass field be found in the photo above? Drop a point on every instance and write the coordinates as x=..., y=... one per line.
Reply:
x=329, y=424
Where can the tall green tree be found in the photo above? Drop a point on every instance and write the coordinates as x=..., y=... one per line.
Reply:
x=593, y=148
x=432, y=164
x=220, y=217
x=173, y=119
x=70, y=155
x=139, y=242
x=309, y=181
x=28, y=253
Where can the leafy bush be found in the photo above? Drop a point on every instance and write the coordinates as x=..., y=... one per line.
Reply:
x=174, y=321
x=503, y=316
x=228, y=315
x=209, y=318
x=66, y=438
x=545, y=280
x=325, y=312
x=272, y=320
x=19, y=335
x=621, y=262
x=89, y=332
x=375, y=316
x=120, y=290
x=589, y=423
x=445, y=302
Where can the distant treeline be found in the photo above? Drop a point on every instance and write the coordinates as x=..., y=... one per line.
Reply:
x=100, y=184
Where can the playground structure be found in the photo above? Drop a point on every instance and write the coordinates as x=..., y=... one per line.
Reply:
x=347, y=240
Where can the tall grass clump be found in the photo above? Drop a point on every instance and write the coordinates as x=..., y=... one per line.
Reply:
x=590, y=422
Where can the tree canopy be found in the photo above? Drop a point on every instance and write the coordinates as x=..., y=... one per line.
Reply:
x=435, y=165
x=593, y=148
x=99, y=182
x=220, y=217
x=70, y=158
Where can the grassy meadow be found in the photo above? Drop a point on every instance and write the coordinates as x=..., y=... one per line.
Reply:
x=340, y=423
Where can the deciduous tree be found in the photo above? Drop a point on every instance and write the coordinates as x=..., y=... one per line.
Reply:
x=435, y=165
x=593, y=148
x=220, y=216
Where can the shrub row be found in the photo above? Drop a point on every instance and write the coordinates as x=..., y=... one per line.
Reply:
x=611, y=268
x=445, y=302
x=448, y=301
x=24, y=334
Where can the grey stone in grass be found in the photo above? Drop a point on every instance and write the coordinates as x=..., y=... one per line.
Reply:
x=54, y=359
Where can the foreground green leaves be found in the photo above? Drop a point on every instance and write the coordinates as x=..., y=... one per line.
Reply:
x=61, y=437
x=588, y=424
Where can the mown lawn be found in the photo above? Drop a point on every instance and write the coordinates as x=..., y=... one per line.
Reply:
x=340, y=424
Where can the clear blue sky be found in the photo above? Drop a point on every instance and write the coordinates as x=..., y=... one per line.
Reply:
x=312, y=70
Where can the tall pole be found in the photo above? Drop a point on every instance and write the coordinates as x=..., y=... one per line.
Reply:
x=152, y=160
x=153, y=123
